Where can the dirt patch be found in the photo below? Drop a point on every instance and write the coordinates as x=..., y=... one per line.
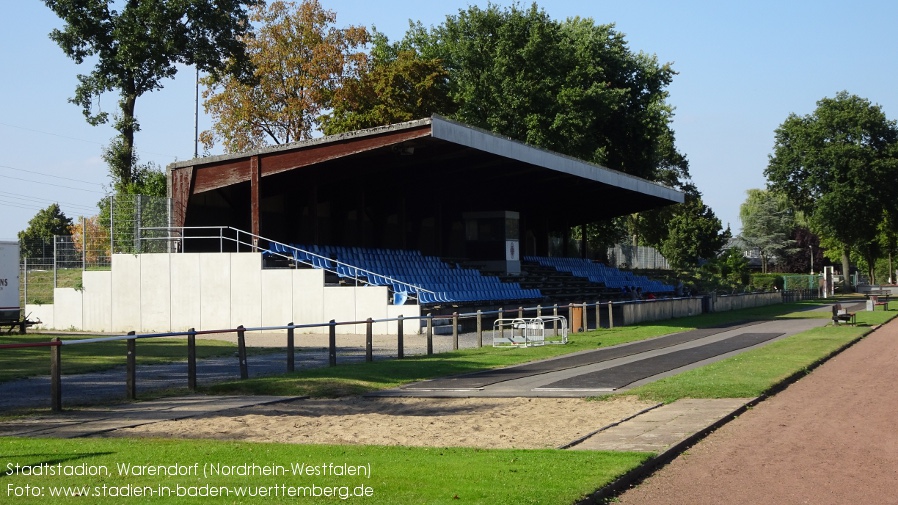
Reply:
x=522, y=423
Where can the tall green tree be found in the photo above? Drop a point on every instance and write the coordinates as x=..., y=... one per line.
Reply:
x=137, y=44
x=695, y=235
x=839, y=166
x=402, y=88
x=571, y=86
x=767, y=225
x=35, y=240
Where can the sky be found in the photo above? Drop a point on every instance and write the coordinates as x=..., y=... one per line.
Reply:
x=742, y=69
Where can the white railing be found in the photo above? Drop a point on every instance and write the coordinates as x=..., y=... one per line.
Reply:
x=243, y=241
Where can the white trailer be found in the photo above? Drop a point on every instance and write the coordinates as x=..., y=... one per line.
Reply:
x=10, y=308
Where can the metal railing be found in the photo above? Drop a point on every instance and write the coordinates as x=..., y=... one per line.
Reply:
x=250, y=242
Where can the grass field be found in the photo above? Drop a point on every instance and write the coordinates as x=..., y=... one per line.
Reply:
x=397, y=474
x=403, y=475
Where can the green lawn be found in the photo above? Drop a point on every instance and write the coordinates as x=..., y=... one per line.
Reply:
x=398, y=475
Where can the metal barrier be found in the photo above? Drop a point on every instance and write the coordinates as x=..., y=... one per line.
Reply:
x=529, y=332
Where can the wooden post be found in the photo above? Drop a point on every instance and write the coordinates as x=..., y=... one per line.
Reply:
x=291, y=347
x=400, y=344
x=610, y=316
x=585, y=318
x=598, y=315
x=539, y=311
x=191, y=359
x=131, y=366
x=501, y=327
x=332, y=343
x=479, y=328
x=520, y=312
x=56, y=375
x=241, y=352
x=455, y=331
x=369, y=340
x=429, y=333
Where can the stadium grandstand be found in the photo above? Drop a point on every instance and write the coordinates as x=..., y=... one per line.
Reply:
x=437, y=211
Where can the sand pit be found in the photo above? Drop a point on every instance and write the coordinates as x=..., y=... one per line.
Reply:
x=521, y=423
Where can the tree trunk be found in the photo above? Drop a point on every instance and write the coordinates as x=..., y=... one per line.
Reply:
x=846, y=270
x=126, y=125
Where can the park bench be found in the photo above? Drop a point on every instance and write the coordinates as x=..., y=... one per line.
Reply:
x=841, y=315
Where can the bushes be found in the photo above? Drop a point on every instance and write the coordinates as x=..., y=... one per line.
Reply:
x=767, y=282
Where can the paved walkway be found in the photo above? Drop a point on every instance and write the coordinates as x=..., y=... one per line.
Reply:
x=665, y=427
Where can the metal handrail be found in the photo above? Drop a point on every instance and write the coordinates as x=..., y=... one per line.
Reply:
x=414, y=289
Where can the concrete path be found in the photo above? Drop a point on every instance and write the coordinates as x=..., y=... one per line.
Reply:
x=664, y=427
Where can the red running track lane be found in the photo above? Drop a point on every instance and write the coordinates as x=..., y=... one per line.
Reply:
x=829, y=438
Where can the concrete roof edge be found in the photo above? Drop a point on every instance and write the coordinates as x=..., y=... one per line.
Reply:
x=484, y=140
x=303, y=143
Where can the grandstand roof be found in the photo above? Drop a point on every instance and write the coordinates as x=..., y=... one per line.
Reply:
x=427, y=164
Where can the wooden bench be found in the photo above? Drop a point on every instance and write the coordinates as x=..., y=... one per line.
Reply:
x=841, y=315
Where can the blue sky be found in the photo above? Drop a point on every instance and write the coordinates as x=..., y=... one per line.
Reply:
x=743, y=67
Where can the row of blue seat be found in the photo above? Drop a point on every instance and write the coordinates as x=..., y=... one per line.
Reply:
x=602, y=274
x=406, y=273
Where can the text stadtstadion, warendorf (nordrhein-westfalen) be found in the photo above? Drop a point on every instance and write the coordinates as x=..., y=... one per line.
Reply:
x=206, y=470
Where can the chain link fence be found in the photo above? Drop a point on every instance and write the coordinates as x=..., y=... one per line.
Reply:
x=120, y=227
x=636, y=257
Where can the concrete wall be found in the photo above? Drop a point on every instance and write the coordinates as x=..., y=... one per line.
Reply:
x=173, y=292
x=747, y=301
x=659, y=310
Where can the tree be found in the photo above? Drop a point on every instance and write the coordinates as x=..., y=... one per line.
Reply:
x=300, y=60
x=139, y=46
x=91, y=239
x=838, y=165
x=767, y=225
x=400, y=89
x=695, y=235
x=41, y=229
x=807, y=255
x=573, y=87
